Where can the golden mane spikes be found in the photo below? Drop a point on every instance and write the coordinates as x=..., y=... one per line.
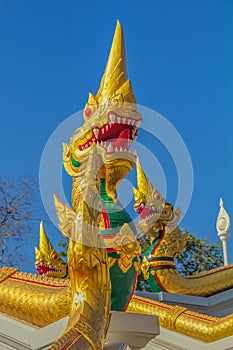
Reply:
x=38, y=254
x=92, y=100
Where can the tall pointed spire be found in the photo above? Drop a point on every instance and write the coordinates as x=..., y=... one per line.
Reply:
x=145, y=187
x=142, y=181
x=115, y=79
x=45, y=245
x=115, y=85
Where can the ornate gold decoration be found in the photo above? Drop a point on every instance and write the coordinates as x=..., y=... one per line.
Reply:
x=43, y=300
x=86, y=296
x=148, y=196
x=145, y=265
x=176, y=318
x=6, y=272
x=114, y=103
x=88, y=267
x=126, y=245
x=173, y=242
x=115, y=87
x=34, y=299
x=48, y=262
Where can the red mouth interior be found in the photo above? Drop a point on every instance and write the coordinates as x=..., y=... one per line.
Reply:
x=116, y=135
x=44, y=269
x=146, y=212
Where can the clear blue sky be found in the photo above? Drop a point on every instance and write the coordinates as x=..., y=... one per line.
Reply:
x=180, y=62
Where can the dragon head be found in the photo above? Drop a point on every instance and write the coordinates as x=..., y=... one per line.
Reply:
x=155, y=212
x=111, y=120
x=48, y=262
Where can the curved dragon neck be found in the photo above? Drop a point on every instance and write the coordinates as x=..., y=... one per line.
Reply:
x=160, y=271
x=168, y=243
x=116, y=214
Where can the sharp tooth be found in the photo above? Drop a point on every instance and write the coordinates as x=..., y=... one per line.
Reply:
x=104, y=144
x=112, y=118
x=135, y=152
x=102, y=130
x=125, y=150
x=123, y=120
x=116, y=149
x=138, y=124
x=101, y=143
x=109, y=148
x=90, y=143
x=129, y=121
x=132, y=121
x=96, y=132
x=121, y=149
x=107, y=127
x=118, y=120
x=93, y=139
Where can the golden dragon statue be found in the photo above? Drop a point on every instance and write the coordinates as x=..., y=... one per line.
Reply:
x=159, y=220
x=48, y=261
x=85, y=297
x=98, y=157
x=111, y=122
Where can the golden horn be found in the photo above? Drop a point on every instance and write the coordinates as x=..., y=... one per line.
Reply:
x=45, y=245
x=115, y=81
x=141, y=179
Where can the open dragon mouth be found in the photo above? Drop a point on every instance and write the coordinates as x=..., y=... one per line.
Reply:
x=115, y=136
x=44, y=269
x=146, y=212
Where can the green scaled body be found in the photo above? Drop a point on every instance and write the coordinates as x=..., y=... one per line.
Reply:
x=123, y=283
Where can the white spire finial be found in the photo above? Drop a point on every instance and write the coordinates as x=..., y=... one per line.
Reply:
x=223, y=227
x=223, y=220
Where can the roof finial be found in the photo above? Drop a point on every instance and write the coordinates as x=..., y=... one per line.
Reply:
x=223, y=227
x=223, y=220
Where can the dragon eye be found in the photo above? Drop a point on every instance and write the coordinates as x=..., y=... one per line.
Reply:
x=88, y=112
x=55, y=256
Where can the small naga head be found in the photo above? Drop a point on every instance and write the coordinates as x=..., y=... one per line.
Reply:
x=48, y=262
x=111, y=119
x=155, y=212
